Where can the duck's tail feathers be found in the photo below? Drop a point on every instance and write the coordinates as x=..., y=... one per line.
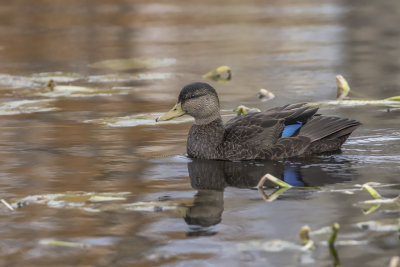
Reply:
x=328, y=127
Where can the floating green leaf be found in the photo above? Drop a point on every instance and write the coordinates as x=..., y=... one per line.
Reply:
x=371, y=190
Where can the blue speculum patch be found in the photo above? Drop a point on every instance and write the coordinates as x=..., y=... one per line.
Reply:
x=289, y=130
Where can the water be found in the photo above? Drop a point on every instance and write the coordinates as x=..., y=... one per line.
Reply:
x=177, y=211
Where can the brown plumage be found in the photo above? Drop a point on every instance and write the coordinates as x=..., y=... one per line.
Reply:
x=256, y=135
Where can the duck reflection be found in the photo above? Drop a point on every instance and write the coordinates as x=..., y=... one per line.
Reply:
x=210, y=177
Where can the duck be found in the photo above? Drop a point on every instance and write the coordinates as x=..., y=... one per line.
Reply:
x=289, y=131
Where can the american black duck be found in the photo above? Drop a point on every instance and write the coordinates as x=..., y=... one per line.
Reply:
x=294, y=130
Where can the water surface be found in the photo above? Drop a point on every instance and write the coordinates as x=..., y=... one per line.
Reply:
x=190, y=211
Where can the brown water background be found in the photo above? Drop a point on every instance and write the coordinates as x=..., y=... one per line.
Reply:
x=293, y=48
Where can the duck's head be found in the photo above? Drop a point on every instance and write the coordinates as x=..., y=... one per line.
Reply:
x=199, y=100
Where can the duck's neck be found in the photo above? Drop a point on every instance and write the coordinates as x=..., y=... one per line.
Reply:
x=207, y=120
x=203, y=139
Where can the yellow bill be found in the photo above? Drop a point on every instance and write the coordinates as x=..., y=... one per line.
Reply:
x=175, y=112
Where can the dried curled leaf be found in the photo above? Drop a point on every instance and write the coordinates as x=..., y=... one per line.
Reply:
x=265, y=95
x=343, y=87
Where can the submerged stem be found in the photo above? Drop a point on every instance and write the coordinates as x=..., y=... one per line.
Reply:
x=273, y=179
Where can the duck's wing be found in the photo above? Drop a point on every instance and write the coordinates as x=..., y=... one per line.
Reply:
x=265, y=128
x=319, y=134
x=254, y=129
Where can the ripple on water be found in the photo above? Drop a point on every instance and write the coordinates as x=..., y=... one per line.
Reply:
x=8, y=81
x=142, y=119
x=26, y=106
x=378, y=139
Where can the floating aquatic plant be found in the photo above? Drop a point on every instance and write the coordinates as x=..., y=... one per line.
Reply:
x=305, y=239
x=343, y=89
x=243, y=110
x=371, y=190
x=220, y=74
x=378, y=201
x=331, y=242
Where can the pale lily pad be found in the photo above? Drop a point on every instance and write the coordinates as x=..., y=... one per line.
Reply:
x=26, y=106
x=133, y=63
x=58, y=76
x=144, y=119
x=124, y=77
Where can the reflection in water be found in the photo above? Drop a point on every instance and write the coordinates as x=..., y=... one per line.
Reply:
x=210, y=177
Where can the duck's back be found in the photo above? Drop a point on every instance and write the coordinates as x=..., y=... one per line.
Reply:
x=284, y=132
